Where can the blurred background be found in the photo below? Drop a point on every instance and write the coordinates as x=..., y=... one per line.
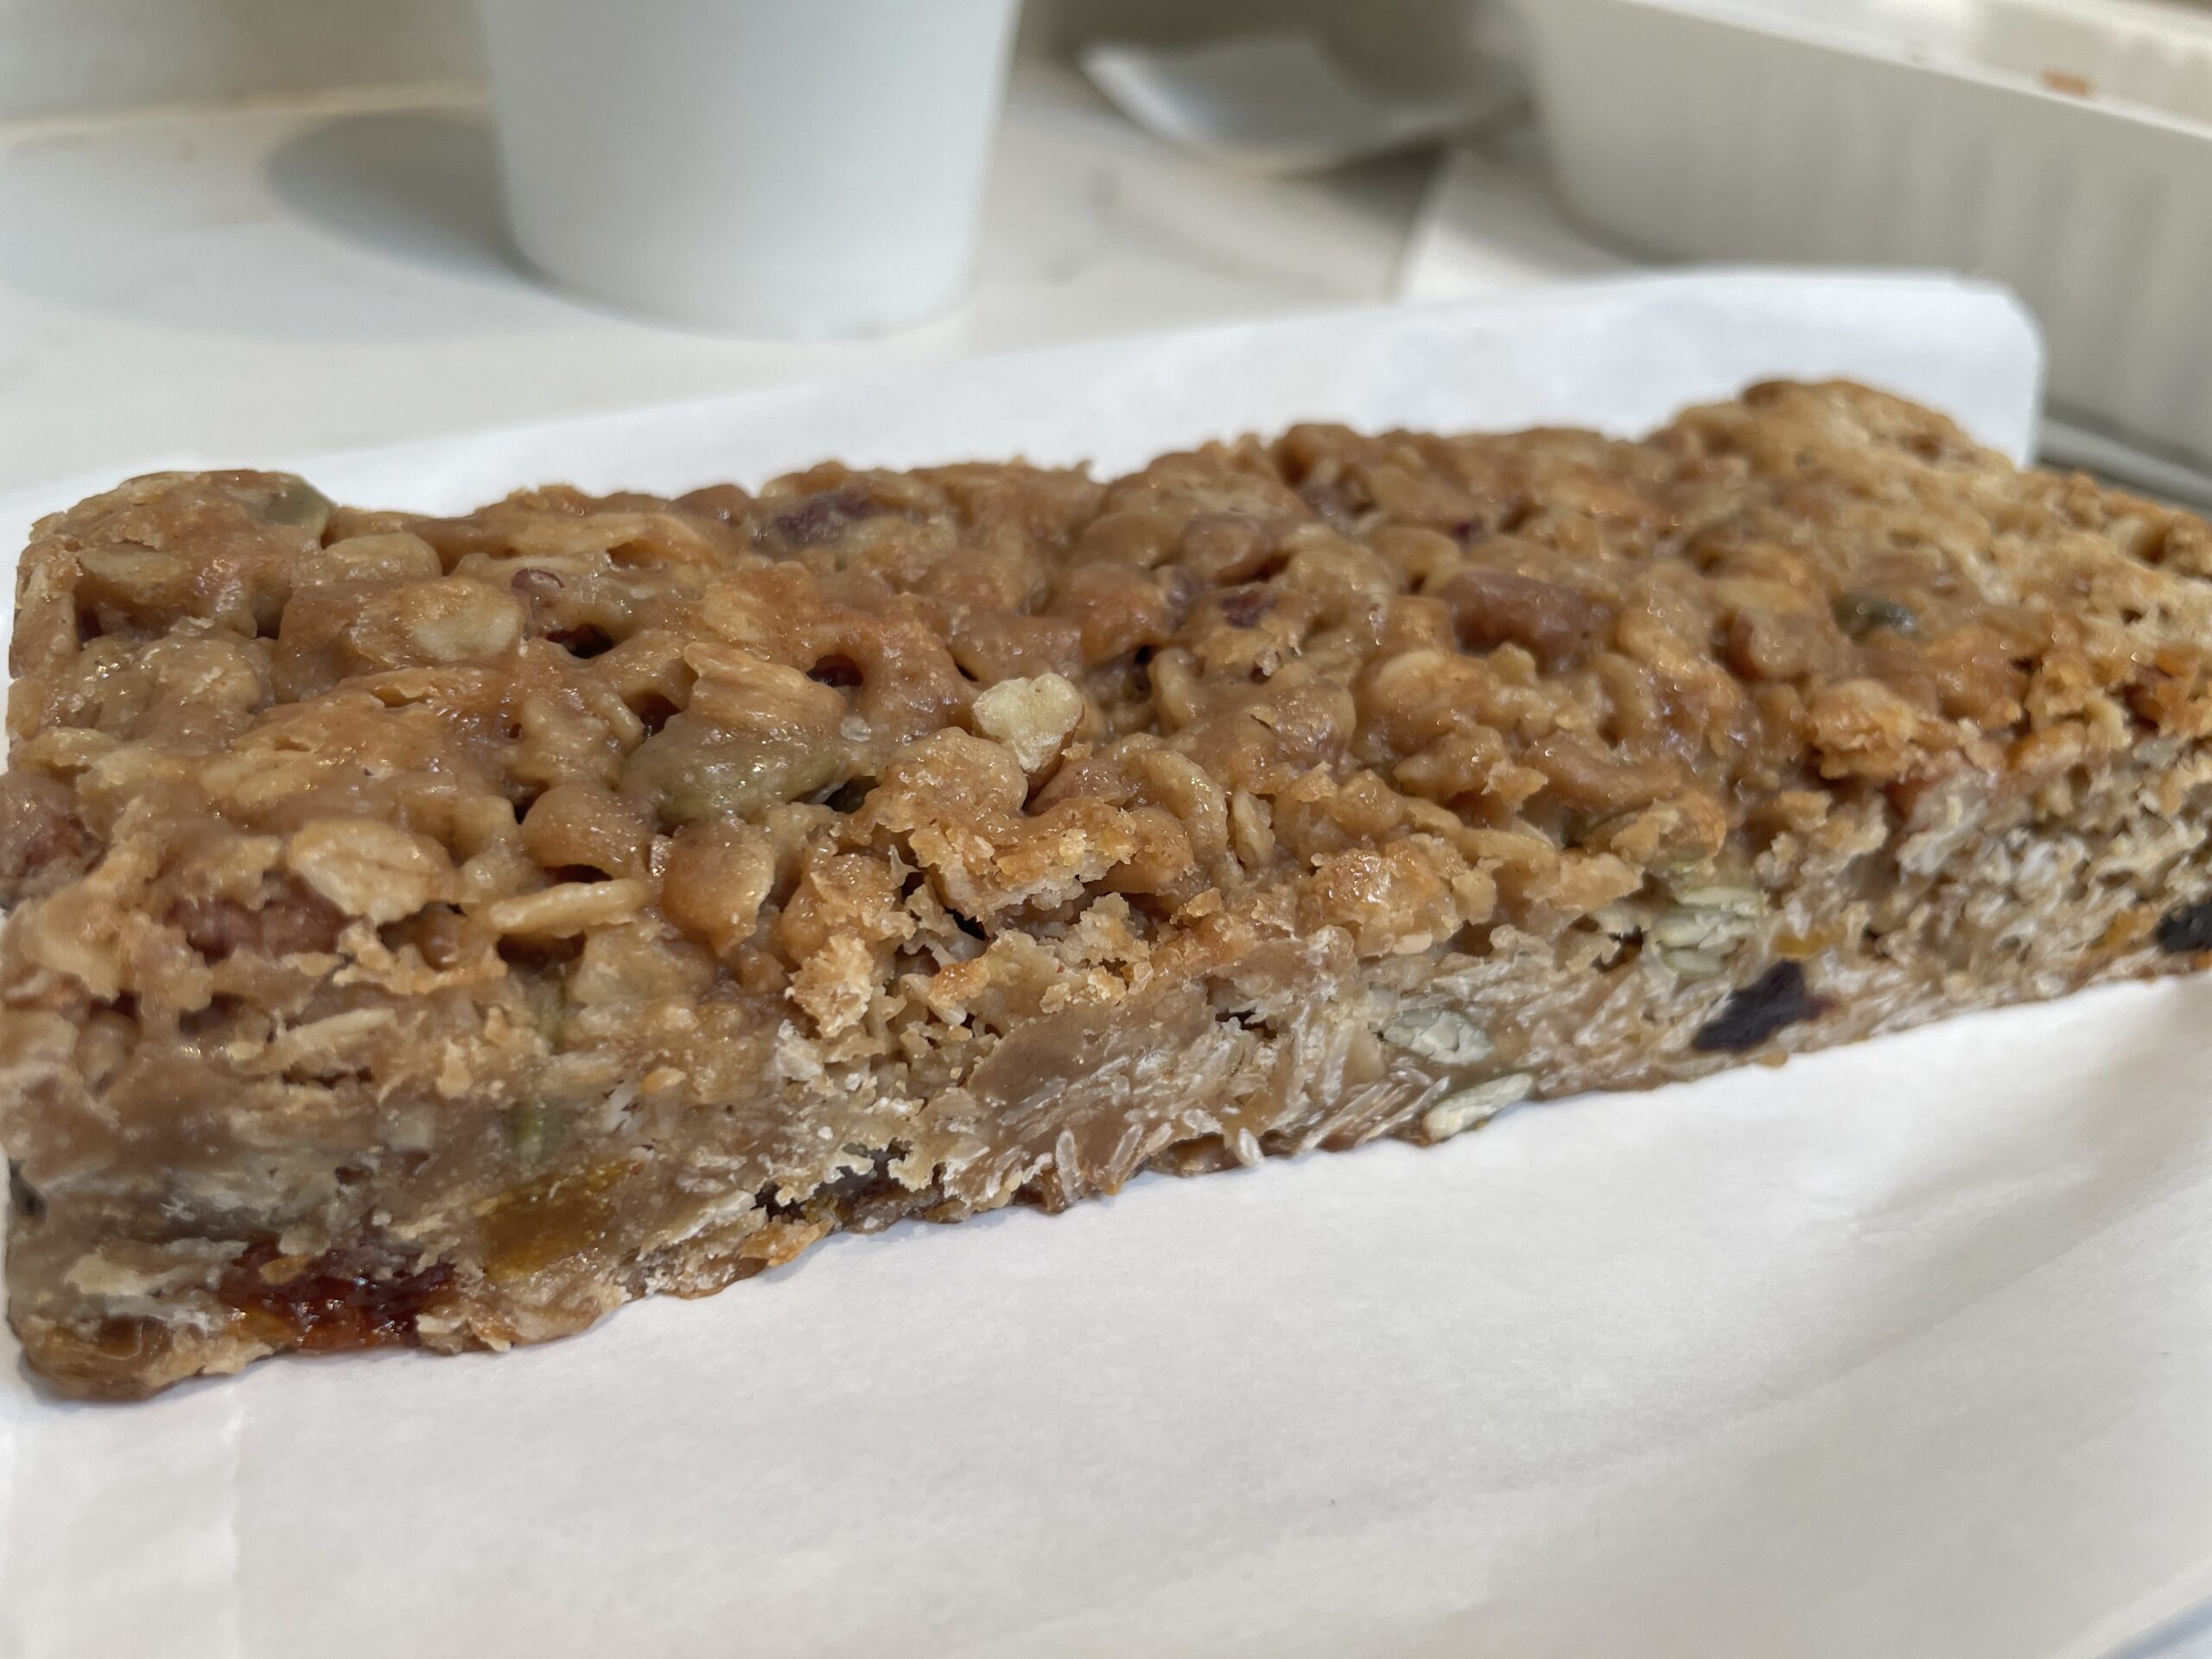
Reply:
x=58, y=56
x=276, y=225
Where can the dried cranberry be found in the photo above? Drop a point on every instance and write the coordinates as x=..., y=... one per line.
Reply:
x=823, y=518
x=357, y=1296
x=2186, y=929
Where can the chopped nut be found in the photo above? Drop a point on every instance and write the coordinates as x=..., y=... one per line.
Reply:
x=460, y=622
x=1464, y=1109
x=1032, y=717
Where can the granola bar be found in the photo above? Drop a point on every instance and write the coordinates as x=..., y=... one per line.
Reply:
x=438, y=931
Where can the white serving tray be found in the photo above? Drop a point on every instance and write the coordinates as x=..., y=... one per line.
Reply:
x=2062, y=146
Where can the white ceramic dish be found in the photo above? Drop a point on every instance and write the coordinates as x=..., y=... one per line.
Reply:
x=2062, y=146
x=1279, y=102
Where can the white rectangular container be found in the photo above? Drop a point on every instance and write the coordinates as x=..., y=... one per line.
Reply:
x=2062, y=146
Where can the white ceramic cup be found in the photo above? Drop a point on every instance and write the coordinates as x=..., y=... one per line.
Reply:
x=799, y=168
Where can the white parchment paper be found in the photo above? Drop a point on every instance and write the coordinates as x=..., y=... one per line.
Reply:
x=1905, y=1349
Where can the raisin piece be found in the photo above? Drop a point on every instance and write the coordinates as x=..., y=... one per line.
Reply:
x=824, y=517
x=437, y=932
x=216, y=928
x=2186, y=929
x=1242, y=608
x=1754, y=1013
x=23, y=1195
x=292, y=920
x=299, y=920
x=356, y=1296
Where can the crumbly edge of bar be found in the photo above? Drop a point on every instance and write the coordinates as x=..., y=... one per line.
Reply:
x=1889, y=932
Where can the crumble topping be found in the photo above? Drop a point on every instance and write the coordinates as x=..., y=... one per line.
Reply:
x=880, y=749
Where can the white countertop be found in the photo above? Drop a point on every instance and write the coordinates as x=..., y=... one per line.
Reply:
x=229, y=282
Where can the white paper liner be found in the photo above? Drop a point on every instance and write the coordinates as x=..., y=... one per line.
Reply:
x=1902, y=1349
